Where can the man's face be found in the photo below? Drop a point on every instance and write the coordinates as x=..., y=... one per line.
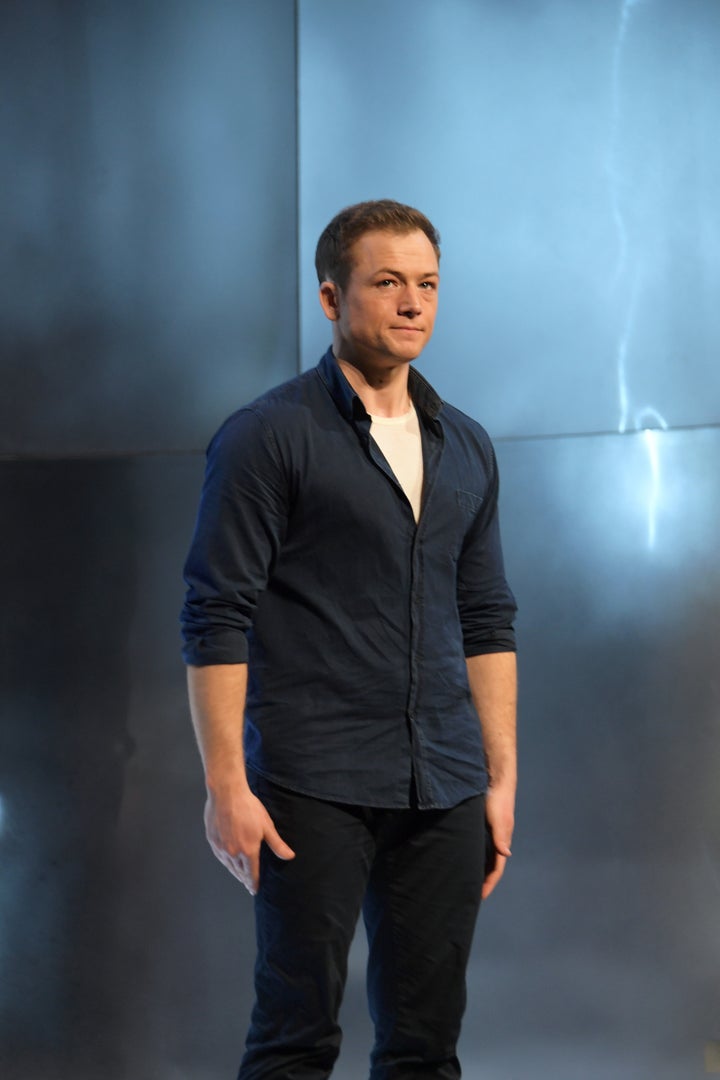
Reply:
x=386, y=313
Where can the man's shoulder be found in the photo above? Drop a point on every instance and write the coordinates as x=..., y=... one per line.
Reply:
x=457, y=422
x=300, y=390
x=277, y=408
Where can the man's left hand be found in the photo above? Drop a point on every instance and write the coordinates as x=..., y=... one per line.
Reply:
x=500, y=814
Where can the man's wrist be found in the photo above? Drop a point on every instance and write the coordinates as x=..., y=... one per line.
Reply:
x=222, y=781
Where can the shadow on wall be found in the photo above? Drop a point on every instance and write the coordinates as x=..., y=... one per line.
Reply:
x=67, y=574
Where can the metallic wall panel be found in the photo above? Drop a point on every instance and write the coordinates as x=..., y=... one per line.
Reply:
x=601, y=958
x=148, y=218
x=126, y=950
x=567, y=153
x=571, y=144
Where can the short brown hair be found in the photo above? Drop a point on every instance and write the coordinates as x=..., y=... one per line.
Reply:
x=332, y=255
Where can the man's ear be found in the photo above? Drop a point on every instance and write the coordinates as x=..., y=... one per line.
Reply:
x=330, y=300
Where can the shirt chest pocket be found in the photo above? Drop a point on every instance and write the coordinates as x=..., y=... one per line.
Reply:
x=468, y=503
x=448, y=522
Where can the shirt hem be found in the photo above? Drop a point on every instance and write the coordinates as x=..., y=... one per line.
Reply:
x=473, y=789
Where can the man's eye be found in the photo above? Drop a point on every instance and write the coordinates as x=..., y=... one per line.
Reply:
x=428, y=285
x=386, y=281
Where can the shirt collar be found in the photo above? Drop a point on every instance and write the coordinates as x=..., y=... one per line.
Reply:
x=427, y=402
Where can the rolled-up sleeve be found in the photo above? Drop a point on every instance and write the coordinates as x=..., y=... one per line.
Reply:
x=485, y=602
x=240, y=526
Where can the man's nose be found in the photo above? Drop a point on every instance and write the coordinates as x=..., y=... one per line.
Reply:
x=409, y=301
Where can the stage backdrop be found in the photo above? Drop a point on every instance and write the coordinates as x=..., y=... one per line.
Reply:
x=567, y=152
x=168, y=167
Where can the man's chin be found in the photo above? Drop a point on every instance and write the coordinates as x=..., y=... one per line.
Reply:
x=407, y=352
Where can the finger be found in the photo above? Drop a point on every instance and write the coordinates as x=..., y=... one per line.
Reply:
x=237, y=866
x=493, y=878
x=242, y=874
x=253, y=871
x=501, y=838
x=241, y=867
x=276, y=843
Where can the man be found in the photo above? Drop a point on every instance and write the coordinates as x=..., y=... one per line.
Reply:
x=347, y=625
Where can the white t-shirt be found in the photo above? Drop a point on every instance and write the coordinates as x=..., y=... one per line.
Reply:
x=399, y=439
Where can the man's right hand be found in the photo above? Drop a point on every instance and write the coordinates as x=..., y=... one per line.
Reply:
x=236, y=824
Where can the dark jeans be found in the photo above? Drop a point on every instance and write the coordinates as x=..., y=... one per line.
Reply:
x=417, y=874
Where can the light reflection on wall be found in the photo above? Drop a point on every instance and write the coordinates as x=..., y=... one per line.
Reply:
x=654, y=487
x=652, y=445
x=612, y=168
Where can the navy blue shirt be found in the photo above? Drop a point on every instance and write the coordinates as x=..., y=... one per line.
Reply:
x=355, y=621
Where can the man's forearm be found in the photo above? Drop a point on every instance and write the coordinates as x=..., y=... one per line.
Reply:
x=217, y=705
x=236, y=822
x=493, y=684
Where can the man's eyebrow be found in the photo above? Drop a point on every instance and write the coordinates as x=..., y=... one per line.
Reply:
x=399, y=273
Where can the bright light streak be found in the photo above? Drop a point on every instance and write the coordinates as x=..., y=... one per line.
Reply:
x=622, y=352
x=654, y=493
x=650, y=436
x=614, y=178
x=611, y=165
x=647, y=419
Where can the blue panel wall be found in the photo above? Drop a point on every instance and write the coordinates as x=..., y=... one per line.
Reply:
x=148, y=218
x=568, y=154
x=148, y=267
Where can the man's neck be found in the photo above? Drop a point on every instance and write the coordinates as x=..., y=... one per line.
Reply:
x=383, y=392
